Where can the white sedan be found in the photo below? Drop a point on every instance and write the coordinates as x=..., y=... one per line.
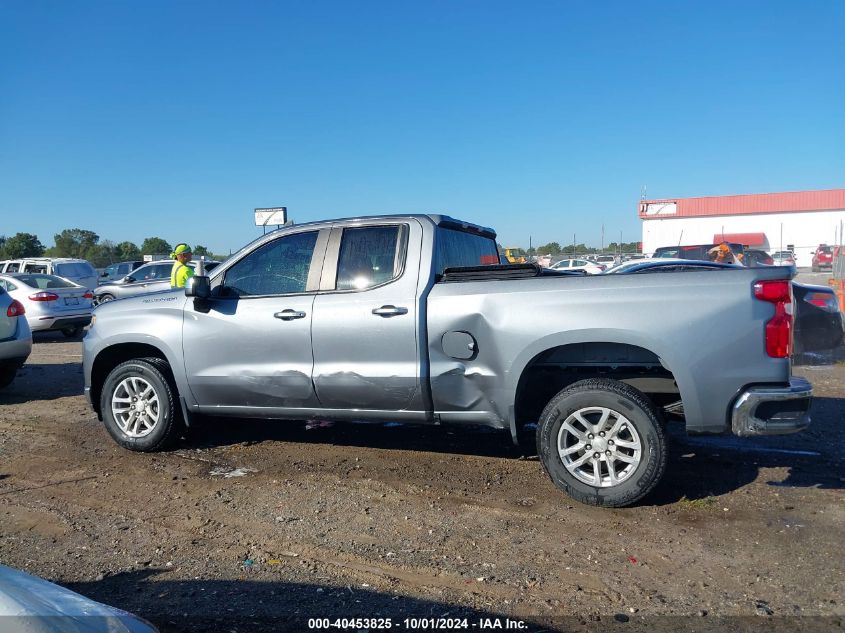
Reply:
x=51, y=302
x=578, y=264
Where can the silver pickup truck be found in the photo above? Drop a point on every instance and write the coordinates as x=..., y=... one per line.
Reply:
x=412, y=318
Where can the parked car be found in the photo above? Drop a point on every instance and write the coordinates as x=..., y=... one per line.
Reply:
x=756, y=257
x=15, y=338
x=113, y=272
x=822, y=258
x=151, y=277
x=819, y=325
x=396, y=318
x=79, y=271
x=665, y=264
x=696, y=251
x=607, y=260
x=578, y=264
x=34, y=605
x=783, y=258
x=51, y=302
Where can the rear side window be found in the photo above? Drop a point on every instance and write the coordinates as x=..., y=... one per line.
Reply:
x=13, y=267
x=369, y=256
x=456, y=249
x=277, y=268
x=35, y=268
x=73, y=269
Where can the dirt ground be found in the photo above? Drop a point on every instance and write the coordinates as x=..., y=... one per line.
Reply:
x=262, y=525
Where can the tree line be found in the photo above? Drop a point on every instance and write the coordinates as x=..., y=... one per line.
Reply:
x=554, y=248
x=82, y=244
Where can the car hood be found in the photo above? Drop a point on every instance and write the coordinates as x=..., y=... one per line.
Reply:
x=32, y=604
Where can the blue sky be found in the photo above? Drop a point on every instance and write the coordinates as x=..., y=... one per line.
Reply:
x=541, y=119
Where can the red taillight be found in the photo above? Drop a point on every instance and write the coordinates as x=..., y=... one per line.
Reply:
x=43, y=296
x=88, y=295
x=16, y=309
x=779, y=328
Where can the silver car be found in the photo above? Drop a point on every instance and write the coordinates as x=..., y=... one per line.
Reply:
x=152, y=277
x=15, y=338
x=51, y=302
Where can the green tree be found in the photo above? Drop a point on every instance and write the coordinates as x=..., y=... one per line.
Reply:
x=102, y=254
x=74, y=243
x=22, y=245
x=126, y=251
x=155, y=246
x=549, y=249
x=200, y=250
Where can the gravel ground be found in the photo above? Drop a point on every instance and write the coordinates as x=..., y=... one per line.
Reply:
x=252, y=525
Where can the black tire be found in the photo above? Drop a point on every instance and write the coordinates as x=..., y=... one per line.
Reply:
x=7, y=375
x=73, y=332
x=815, y=269
x=638, y=411
x=169, y=427
x=104, y=298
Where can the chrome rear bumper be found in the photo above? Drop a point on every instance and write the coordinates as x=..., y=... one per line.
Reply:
x=773, y=410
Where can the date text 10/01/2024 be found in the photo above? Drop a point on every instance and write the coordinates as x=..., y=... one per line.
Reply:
x=417, y=624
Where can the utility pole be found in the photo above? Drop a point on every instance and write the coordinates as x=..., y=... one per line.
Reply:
x=602, y=238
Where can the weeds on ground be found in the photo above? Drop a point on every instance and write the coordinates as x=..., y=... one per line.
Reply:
x=697, y=504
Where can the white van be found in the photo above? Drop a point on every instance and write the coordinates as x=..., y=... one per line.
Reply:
x=78, y=271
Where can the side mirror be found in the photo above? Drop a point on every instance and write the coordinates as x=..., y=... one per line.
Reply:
x=129, y=279
x=198, y=286
x=104, y=274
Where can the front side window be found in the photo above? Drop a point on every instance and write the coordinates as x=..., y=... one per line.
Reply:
x=276, y=268
x=35, y=268
x=13, y=267
x=368, y=257
x=456, y=249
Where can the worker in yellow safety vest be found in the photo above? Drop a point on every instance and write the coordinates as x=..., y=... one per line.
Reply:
x=181, y=272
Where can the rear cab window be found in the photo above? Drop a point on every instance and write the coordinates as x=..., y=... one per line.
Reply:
x=459, y=249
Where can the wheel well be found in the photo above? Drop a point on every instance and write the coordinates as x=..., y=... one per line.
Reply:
x=110, y=358
x=557, y=367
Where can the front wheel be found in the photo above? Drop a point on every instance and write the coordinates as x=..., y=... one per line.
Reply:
x=103, y=298
x=602, y=442
x=138, y=402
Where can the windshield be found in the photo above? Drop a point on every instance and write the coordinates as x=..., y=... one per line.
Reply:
x=74, y=269
x=824, y=249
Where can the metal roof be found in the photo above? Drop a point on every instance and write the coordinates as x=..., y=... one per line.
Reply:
x=787, y=202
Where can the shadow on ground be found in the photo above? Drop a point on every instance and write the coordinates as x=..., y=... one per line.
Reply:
x=189, y=606
x=185, y=606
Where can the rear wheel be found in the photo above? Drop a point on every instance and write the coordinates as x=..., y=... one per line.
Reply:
x=602, y=442
x=138, y=402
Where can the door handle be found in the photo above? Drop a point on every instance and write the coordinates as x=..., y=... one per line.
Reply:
x=289, y=315
x=389, y=311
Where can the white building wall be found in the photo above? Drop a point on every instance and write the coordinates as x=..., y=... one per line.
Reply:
x=805, y=230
